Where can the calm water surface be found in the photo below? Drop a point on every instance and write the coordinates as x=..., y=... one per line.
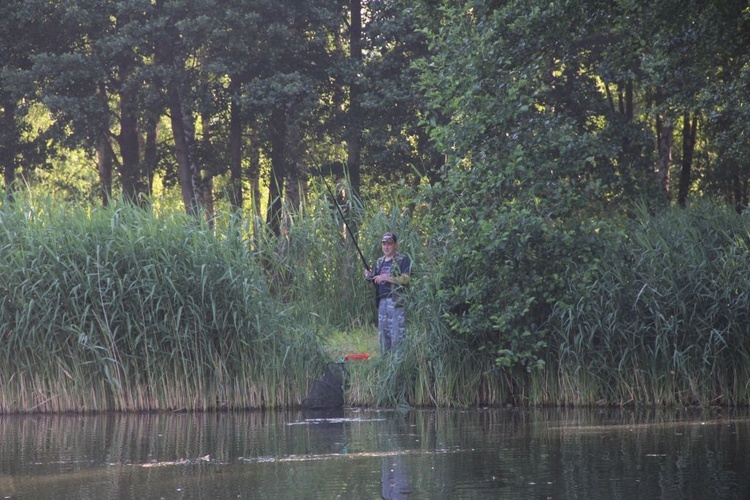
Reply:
x=362, y=454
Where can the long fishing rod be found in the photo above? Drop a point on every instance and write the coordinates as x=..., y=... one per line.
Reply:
x=348, y=227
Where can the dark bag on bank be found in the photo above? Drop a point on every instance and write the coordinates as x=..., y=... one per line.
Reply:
x=328, y=390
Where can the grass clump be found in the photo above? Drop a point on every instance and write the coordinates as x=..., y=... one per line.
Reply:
x=663, y=316
x=115, y=309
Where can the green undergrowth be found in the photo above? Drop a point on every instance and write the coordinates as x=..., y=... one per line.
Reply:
x=339, y=343
x=115, y=309
x=121, y=309
x=661, y=318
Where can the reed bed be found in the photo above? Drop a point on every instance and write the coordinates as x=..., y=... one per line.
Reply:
x=115, y=309
x=663, y=319
x=119, y=309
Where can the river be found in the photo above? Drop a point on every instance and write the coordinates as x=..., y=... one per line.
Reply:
x=363, y=453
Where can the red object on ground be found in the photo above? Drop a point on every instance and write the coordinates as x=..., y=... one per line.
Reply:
x=356, y=357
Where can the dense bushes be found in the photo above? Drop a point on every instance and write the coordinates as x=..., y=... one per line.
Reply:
x=501, y=282
x=647, y=309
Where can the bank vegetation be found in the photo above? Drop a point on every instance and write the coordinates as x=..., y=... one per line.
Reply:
x=123, y=309
x=183, y=183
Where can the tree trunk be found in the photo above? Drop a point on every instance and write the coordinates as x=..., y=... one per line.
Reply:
x=278, y=168
x=207, y=179
x=150, y=155
x=235, y=150
x=665, y=140
x=208, y=200
x=354, y=139
x=183, y=128
x=291, y=201
x=689, y=129
x=739, y=195
x=297, y=172
x=7, y=153
x=629, y=99
x=293, y=192
x=129, y=146
x=253, y=157
x=104, y=160
x=9, y=177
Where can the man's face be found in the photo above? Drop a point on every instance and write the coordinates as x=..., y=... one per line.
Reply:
x=389, y=248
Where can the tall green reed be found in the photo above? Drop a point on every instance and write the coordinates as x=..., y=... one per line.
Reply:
x=122, y=309
x=115, y=309
x=664, y=317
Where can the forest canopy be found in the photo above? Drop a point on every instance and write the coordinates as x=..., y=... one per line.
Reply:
x=576, y=104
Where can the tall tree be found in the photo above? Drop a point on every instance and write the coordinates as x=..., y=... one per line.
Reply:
x=716, y=46
x=233, y=48
x=93, y=84
x=686, y=51
x=290, y=70
x=354, y=128
x=25, y=31
x=172, y=51
x=392, y=107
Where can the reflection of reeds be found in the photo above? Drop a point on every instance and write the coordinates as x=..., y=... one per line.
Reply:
x=582, y=450
x=138, y=438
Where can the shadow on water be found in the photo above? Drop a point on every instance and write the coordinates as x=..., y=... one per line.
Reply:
x=354, y=453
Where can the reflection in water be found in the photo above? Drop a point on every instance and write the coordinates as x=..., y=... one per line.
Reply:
x=396, y=437
x=394, y=478
x=394, y=474
x=354, y=453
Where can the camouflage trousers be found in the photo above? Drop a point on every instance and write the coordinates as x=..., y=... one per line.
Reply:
x=391, y=325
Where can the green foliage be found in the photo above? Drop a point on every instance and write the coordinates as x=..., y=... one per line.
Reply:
x=572, y=88
x=151, y=313
x=663, y=317
x=533, y=113
x=728, y=155
x=395, y=142
x=502, y=276
x=534, y=153
x=25, y=32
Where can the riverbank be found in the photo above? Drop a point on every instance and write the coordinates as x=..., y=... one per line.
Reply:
x=119, y=309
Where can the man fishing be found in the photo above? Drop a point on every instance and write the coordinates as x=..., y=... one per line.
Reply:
x=390, y=275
